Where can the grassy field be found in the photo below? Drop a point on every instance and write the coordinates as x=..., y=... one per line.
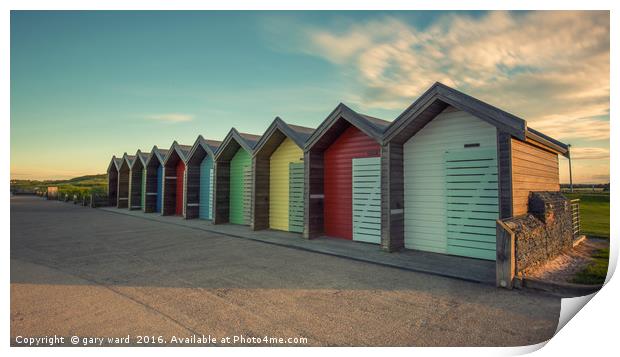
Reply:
x=594, y=208
x=596, y=271
x=83, y=185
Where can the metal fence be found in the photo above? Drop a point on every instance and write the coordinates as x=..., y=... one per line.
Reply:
x=574, y=205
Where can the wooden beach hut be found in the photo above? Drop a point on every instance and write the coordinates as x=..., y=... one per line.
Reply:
x=153, y=185
x=278, y=177
x=233, y=178
x=174, y=180
x=453, y=165
x=343, y=177
x=200, y=178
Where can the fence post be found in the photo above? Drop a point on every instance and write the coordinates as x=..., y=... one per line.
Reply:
x=505, y=259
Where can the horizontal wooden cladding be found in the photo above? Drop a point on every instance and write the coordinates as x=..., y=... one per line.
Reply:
x=338, y=209
x=533, y=169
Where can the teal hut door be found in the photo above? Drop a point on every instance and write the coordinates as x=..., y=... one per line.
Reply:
x=472, y=202
x=206, y=188
x=367, y=200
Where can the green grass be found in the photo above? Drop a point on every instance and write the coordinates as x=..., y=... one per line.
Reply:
x=594, y=209
x=596, y=271
x=80, y=186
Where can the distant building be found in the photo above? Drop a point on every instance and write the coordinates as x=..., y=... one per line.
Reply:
x=52, y=192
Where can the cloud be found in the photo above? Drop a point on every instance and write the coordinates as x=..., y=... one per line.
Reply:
x=550, y=68
x=170, y=117
x=591, y=153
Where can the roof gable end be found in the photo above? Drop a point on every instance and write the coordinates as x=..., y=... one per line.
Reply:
x=373, y=127
x=298, y=134
x=233, y=141
x=436, y=99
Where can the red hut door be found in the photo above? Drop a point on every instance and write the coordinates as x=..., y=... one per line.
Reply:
x=179, y=193
x=338, y=184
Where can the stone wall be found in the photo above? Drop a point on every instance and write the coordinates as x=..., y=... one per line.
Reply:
x=544, y=232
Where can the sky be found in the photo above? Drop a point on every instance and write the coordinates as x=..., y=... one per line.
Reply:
x=89, y=85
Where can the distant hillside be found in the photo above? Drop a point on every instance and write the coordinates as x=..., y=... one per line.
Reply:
x=82, y=185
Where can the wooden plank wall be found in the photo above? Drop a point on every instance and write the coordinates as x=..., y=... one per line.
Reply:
x=169, y=191
x=221, y=192
x=504, y=170
x=112, y=186
x=150, y=201
x=192, y=190
x=392, y=191
x=533, y=169
x=123, y=188
x=314, y=194
x=135, y=186
x=260, y=192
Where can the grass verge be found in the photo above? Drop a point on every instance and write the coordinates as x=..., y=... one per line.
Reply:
x=594, y=209
x=596, y=271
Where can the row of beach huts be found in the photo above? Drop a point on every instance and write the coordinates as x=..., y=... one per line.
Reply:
x=437, y=178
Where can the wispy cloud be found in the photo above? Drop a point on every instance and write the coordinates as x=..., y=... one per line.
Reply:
x=170, y=117
x=551, y=68
x=591, y=153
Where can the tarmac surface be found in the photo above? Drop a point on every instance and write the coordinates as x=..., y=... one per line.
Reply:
x=88, y=274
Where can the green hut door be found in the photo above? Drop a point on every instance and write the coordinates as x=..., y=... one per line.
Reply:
x=238, y=193
x=296, y=197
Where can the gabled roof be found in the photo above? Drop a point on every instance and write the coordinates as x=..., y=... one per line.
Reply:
x=181, y=150
x=298, y=134
x=371, y=126
x=156, y=154
x=127, y=159
x=114, y=162
x=210, y=146
x=233, y=141
x=439, y=96
x=140, y=157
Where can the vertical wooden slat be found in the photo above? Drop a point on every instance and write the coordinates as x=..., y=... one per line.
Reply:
x=314, y=194
x=260, y=193
x=221, y=192
x=392, y=192
x=504, y=171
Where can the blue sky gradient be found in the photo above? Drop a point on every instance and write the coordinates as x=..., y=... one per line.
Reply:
x=86, y=85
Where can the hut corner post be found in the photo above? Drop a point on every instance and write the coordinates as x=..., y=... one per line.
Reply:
x=505, y=261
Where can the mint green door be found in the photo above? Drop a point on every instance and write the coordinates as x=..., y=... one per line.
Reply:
x=366, y=203
x=472, y=202
x=238, y=164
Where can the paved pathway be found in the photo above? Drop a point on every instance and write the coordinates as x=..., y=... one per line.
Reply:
x=474, y=270
x=91, y=273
